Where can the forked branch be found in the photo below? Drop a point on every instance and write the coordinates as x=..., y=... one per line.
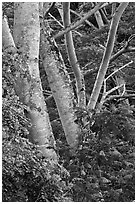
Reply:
x=75, y=25
x=106, y=56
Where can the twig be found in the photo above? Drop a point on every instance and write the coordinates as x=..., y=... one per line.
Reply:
x=114, y=57
x=113, y=89
x=119, y=96
x=56, y=20
x=77, y=14
x=62, y=25
x=118, y=70
x=122, y=51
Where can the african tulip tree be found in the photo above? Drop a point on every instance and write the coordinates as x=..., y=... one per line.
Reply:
x=25, y=50
x=30, y=31
x=59, y=83
x=107, y=56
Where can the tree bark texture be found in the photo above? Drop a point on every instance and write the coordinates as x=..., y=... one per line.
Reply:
x=59, y=83
x=27, y=79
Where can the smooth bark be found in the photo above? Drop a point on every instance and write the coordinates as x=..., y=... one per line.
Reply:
x=106, y=56
x=7, y=39
x=99, y=19
x=27, y=79
x=80, y=85
x=59, y=83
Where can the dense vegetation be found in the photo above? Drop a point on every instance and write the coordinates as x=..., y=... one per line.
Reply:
x=102, y=170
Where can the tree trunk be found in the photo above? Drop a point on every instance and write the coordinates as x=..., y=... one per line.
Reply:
x=27, y=79
x=106, y=57
x=59, y=83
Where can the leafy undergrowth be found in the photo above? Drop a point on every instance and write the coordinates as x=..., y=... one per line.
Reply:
x=103, y=168
x=26, y=176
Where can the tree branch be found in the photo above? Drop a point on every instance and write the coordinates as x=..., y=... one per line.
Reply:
x=113, y=58
x=119, y=96
x=76, y=24
x=106, y=57
x=77, y=14
x=73, y=58
x=125, y=49
x=7, y=39
x=62, y=25
x=118, y=69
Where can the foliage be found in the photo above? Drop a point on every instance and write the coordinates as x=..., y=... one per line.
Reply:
x=26, y=175
x=119, y=122
x=103, y=168
x=13, y=118
x=29, y=177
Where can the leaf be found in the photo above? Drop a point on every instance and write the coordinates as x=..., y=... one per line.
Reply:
x=104, y=180
x=102, y=153
x=83, y=173
x=115, y=152
x=128, y=164
x=128, y=177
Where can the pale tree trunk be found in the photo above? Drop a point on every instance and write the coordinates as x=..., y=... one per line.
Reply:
x=27, y=81
x=80, y=85
x=59, y=83
x=7, y=39
x=106, y=57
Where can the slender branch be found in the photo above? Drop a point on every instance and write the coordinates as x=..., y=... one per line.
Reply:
x=106, y=57
x=48, y=8
x=113, y=89
x=118, y=70
x=56, y=20
x=76, y=24
x=119, y=96
x=77, y=14
x=99, y=18
x=62, y=25
x=73, y=58
x=104, y=17
x=106, y=93
x=125, y=49
x=124, y=90
x=113, y=58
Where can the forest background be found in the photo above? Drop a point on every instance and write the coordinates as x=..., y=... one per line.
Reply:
x=68, y=107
